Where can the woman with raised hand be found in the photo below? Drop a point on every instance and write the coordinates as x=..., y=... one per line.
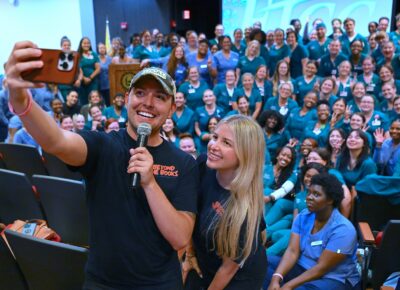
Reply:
x=387, y=150
x=227, y=237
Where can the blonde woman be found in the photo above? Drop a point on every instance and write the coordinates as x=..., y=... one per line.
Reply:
x=227, y=241
x=250, y=61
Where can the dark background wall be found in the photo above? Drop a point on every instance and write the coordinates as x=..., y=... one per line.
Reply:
x=142, y=14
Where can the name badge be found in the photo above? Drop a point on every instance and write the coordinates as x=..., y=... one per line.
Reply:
x=283, y=111
x=333, y=72
x=343, y=94
x=121, y=120
x=191, y=91
x=376, y=122
x=316, y=243
x=179, y=71
x=317, y=131
x=370, y=88
x=203, y=66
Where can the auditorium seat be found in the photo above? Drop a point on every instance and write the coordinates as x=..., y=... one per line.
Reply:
x=22, y=158
x=64, y=202
x=11, y=275
x=47, y=264
x=17, y=198
x=381, y=259
x=55, y=167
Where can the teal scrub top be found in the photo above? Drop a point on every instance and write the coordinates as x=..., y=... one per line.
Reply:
x=295, y=123
x=254, y=98
x=320, y=134
x=275, y=55
x=328, y=68
x=344, y=39
x=184, y=123
x=316, y=50
x=296, y=56
x=249, y=66
x=224, y=99
x=194, y=96
x=301, y=88
x=142, y=53
x=87, y=63
x=351, y=177
x=273, y=104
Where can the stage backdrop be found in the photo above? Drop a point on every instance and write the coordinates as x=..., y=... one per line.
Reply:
x=278, y=13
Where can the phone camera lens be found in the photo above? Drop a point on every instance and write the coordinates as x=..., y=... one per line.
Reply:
x=70, y=57
x=62, y=56
x=64, y=65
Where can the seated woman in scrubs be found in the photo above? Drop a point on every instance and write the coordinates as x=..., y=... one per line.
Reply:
x=322, y=246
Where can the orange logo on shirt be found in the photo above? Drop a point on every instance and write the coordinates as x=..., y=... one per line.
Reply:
x=165, y=170
x=219, y=209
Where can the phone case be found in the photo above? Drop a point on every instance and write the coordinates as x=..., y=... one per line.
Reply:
x=59, y=67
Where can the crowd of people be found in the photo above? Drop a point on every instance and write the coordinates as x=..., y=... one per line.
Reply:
x=301, y=117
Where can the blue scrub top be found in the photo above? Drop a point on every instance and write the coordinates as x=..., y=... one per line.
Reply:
x=338, y=236
x=224, y=64
x=194, y=96
x=296, y=56
x=295, y=123
x=224, y=99
x=202, y=65
x=351, y=177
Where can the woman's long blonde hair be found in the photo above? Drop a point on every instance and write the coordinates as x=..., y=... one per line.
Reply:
x=244, y=207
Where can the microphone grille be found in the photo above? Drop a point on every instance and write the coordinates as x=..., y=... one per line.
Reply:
x=144, y=129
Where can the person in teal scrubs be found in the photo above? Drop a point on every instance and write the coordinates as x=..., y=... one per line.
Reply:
x=344, y=80
x=283, y=102
x=251, y=91
x=263, y=84
x=273, y=123
x=298, y=55
x=390, y=57
x=386, y=74
x=238, y=46
x=280, y=50
x=319, y=129
x=145, y=50
x=307, y=82
x=279, y=183
x=300, y=117
x=327, y=89
x=349, y=25
x=183, y=115
x=355, y=163
x=250, y=61
x=356, y=57
x=224, y=91
x=374, y=118
x=368, y=77
x=318, y=47
x=90, y=66
x=193, y=89
x=330, y=61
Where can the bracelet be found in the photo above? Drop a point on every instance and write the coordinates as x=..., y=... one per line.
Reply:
x=278, y=275
x=27, y=109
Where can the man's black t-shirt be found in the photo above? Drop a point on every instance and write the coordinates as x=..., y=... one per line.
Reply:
x=126, y=248
x=212, y=198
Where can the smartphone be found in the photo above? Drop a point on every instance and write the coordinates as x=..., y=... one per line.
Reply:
x=59, y=67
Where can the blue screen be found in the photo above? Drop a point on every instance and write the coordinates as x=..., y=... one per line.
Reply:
x=278, y=13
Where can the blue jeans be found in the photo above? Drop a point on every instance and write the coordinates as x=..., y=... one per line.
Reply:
x=323, y=283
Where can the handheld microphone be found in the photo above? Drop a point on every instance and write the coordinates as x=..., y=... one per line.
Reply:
x=143, y=131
